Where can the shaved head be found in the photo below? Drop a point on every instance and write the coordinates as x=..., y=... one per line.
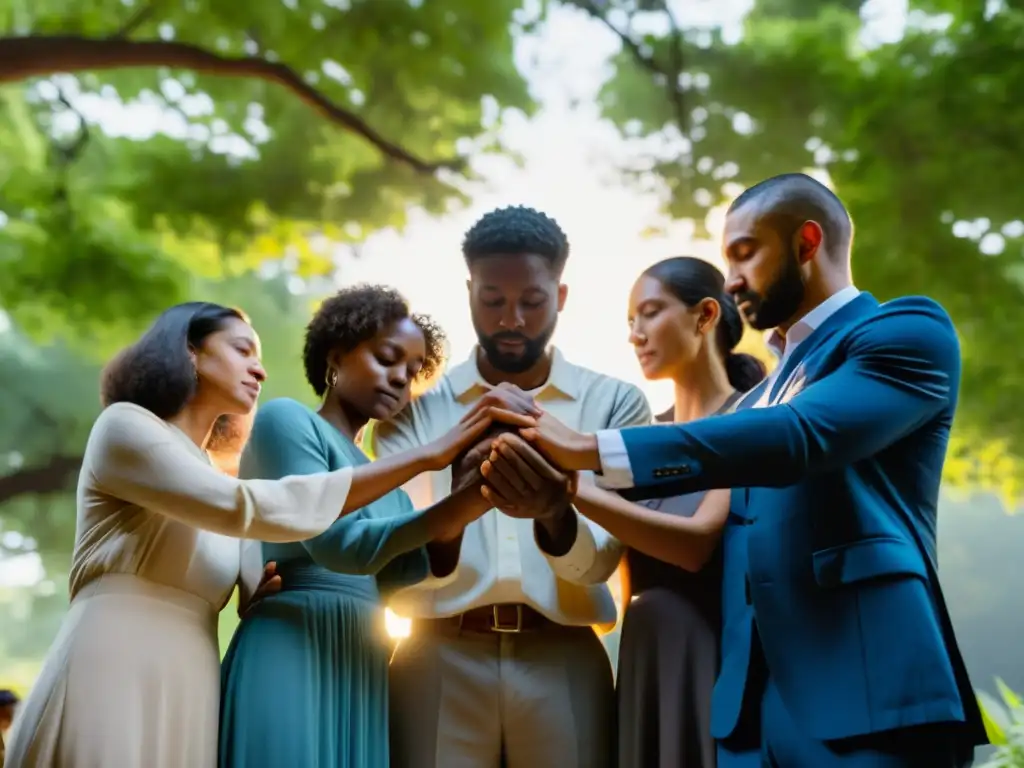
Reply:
x=786, y=202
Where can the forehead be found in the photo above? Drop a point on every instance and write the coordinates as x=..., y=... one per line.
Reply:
x=647, y=288
x=405, y=335
x=741, y=224
x=240, y=331
x=509, y=272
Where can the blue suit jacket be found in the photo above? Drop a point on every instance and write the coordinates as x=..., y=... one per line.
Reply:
x=830, y=547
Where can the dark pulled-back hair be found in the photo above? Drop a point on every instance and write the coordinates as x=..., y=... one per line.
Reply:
x=517, y=230
x=691, y=280
x=156, y=372
x=357, y=314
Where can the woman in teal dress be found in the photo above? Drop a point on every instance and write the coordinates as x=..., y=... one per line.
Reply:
x=304, y=682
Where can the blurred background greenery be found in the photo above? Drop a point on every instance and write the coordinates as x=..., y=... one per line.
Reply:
x=261, y=155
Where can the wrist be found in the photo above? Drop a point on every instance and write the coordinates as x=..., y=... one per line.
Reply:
x=590, y=453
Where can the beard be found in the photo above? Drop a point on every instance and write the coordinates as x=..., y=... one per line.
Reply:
x=780, y=301
x=518, y=362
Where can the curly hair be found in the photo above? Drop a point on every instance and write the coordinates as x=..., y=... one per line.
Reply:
x=517, y=230
x=357, y=314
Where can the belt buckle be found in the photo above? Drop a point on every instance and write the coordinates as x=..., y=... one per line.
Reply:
x=510, y=629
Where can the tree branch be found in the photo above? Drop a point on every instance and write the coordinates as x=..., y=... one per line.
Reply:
x=675, y=93
x=43, y=55
x=52, y=477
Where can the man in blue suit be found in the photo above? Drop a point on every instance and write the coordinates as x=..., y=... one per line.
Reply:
x=837, y=646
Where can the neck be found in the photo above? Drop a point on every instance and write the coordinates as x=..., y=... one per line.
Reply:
x=816, y=295
x=702, y=391
x=196, y=421
x=342, y=417
x=531, y=378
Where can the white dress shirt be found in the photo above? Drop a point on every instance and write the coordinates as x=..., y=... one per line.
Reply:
x=500, y=561
x=616, y=471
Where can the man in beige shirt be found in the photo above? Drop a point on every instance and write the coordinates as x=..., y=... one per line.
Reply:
x=503, y=664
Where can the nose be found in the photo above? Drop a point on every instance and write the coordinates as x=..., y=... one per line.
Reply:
x=258, y=372
x=636, y=335
x=512, y=317
x=398, y=378
x=734, y=284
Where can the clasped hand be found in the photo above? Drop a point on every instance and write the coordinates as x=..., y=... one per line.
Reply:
x=514, y=476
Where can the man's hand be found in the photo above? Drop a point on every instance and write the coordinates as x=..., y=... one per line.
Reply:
x=507, y=397
x=520, y=483
x=270, y=584
x=564, y=447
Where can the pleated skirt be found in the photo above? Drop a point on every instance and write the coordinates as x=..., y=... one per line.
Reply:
x=304, y=682
x=131, y=681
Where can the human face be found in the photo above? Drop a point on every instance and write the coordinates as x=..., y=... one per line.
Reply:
x=375, y=378
x=229, y=369
x=765, y=273
x=667, y=335
x=514, y=301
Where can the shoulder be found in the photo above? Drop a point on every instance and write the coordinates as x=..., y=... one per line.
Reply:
x=911, y=325
x=127, y=422
x=282, y=414
x=620, y=393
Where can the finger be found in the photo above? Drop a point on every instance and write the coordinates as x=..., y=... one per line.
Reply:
x=474, y=430
x=513, y=459
x=530, y=459
x=274, y=584
x=493, y=497
x=473, y=411
x=499, y=483
x=509, y=468
x=513, y=419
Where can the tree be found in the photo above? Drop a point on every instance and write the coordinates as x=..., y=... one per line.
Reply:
x=922, y=138
x=257, y=132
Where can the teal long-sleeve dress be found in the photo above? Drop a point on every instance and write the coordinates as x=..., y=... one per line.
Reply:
x=304, y=682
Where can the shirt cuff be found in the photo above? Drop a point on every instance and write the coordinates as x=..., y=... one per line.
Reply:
x=616, y=472
x=575, y=563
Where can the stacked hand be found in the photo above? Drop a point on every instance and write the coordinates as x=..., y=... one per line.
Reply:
x=530, y=474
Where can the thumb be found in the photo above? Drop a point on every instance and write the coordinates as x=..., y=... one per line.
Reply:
x=531, y=434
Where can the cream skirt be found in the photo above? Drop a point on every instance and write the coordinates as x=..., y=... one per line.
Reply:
x=132, y=681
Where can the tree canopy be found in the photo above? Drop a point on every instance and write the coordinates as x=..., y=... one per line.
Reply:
x=106, y=212
x=921, y=133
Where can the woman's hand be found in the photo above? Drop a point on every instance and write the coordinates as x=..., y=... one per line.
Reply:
x=443, y=451
x=565, y=448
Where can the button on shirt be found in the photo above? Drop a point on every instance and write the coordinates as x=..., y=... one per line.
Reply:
x=500, y=561
x=616, y=471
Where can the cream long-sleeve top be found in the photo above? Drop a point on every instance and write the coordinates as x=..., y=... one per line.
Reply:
x=151, y=504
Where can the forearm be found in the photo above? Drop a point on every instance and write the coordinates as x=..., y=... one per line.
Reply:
x=556, y=533
x=685, y=542
x=378, y=478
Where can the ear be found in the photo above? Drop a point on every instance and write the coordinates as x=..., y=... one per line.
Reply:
x=709, y=312
x=563, y=293
x=469, y=285
x=808, y=241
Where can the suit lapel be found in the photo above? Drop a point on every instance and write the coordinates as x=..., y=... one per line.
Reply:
x=856, y=309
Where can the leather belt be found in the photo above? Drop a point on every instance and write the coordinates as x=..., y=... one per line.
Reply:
x=503, y=618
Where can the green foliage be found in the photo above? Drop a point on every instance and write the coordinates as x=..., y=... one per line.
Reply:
x=922, y=138
x=106, y=212
x=1004, y=722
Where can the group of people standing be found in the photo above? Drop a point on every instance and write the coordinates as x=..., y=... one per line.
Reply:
x=778, y=531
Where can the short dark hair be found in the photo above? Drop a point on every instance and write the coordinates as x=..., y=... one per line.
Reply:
x=793, y=198
x=517, y=230
x=156, y=372
x=691, y=280
x=357, y=314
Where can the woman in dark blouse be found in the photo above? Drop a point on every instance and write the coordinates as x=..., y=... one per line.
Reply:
x=684, y=327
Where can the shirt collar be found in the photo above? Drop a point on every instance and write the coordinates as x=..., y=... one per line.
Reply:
x=781, y=343
x=468, y=384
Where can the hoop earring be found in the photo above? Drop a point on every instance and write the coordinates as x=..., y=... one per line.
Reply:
x=332, y=378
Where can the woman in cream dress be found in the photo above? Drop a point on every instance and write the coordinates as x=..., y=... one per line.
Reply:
x=132, y=678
